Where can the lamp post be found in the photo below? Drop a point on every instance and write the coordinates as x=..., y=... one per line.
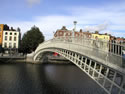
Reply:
x=75, y=22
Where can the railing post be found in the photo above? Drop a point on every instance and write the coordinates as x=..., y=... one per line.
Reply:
x=85, y=63
x=107, y=71
x=81, y=61
x=89, y=65
x=113, y=45
x=94, y=70
x=100, y=71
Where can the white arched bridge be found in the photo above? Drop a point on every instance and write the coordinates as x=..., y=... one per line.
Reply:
x=103, y=61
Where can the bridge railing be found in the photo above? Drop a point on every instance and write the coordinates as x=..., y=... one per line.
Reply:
x=100, y=59
x=110, y=47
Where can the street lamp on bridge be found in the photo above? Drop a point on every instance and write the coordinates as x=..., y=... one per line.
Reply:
x=75, y=22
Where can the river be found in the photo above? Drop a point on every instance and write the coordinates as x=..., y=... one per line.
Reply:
x=21, y=78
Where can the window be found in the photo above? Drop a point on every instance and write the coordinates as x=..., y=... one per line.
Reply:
x=14, y=45
x=10, y=45
x=60, y=33
x=96, y=38
x=10, y=38
x=14, y=38
x=10, y=33
x=6, y=33
x=5, y=37
x=5, y=45
x=14, y=33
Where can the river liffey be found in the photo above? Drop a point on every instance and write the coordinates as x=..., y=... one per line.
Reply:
x=21, y=78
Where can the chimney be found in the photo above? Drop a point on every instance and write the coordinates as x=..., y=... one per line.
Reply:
x=96, y=32
x=106, y=34
x=64, y=28
x=12, y=28
x=80, y=30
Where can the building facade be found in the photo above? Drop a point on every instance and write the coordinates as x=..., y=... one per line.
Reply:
x=9, y=38
x=1, y=33
x=63, y=32
x=70, y=33
x=105, y=41
x=97, y=36
x=120, y=40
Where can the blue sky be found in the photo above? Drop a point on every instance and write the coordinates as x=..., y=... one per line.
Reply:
x=50, y=15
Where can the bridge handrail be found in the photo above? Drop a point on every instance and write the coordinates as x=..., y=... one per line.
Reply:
x=102, y=52
x=109, y=55
x=111, y=46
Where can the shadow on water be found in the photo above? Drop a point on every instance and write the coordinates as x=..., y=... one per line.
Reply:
x=24, y=78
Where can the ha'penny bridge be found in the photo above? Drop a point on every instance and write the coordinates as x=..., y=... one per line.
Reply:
x=103, y=61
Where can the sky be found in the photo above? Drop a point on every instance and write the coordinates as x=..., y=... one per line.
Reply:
x=106, y=16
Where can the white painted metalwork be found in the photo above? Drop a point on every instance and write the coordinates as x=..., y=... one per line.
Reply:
x=101, y=60
x=111, y=82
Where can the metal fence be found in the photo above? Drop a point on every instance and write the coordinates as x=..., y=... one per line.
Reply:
x=85, y=54
x=110, y=47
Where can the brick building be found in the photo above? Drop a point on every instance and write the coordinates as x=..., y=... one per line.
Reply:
x=63, y=32
x=120, y=40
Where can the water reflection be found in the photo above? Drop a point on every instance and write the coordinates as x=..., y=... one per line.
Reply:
x=45, y=79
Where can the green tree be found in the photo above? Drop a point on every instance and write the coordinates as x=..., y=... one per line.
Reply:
x=31, y=39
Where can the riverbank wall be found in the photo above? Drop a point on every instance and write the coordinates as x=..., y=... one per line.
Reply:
x=29, y=59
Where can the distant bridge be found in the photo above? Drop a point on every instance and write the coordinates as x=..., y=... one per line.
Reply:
x=103, y=61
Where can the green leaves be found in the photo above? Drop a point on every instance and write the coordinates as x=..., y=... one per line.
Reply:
x=31, y=39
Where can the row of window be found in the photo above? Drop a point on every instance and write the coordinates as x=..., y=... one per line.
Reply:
x=103, y=37
x=10, y=45
x=10, y=38
x=6, y=33
x=61, y=33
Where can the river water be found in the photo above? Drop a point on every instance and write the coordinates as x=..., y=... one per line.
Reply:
x=21, y=78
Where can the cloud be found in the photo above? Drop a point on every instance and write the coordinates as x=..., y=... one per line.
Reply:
x=89, y=19
x=47, y=24
x=33, y=2
x=100, y=27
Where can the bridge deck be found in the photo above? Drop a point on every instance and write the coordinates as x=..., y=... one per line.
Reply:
x=98, y=59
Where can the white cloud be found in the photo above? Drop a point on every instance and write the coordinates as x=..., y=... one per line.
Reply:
x=96, y=28
x=88, y=19
x=114, y=33
x=47, y=24
x=33, y=2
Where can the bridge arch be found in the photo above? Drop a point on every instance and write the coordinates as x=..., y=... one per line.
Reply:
x=96, y=63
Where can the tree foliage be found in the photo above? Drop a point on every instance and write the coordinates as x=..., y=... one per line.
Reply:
x=31, y=39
